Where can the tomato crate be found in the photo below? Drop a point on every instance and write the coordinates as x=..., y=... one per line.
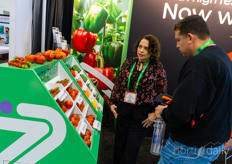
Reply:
x=33, y=120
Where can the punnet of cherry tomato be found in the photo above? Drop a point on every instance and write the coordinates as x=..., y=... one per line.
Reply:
x=20, y=62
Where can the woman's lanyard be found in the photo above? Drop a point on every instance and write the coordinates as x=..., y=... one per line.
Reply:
x=141, y=74
x=130, y=97
x=203, y=46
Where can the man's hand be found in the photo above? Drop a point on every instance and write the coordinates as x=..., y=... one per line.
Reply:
x=159, y=109
x=113, y=110
x=150, y=119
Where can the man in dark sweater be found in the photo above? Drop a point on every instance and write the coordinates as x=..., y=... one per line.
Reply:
x=200, y=114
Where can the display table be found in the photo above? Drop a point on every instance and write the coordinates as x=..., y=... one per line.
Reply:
x=33, y=126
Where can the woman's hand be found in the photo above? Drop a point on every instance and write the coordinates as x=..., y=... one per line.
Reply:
x=113, y=110
x=149, y=121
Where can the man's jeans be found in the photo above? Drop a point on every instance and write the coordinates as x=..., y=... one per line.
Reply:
x=177, y=153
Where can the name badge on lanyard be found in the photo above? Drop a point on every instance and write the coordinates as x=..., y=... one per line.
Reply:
x=130, y=97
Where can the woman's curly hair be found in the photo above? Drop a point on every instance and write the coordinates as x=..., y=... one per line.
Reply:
x=153, y=48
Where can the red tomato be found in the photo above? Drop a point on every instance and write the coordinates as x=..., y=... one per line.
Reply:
x=75, y=115
x=80, y=83
x=58, y=101
x=63, y=107
x=40, y=59
x=73, y=119
x=73, y=73
x=88, y=142
x=58, y=49
x=69, y=89
x=87, y=136
x=58, y=55
x=68, y=104
x=76, y=90
x=50, y=56
x=88, y=132
x=74, y=124
x=45, y=54
x=30, y=58
x=66, y=52
x=73, y=95
x=63, y=55
x=93, y=117
x=82, y=135
x=90, y=117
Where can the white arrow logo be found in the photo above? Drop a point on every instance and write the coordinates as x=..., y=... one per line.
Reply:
x=34, y=131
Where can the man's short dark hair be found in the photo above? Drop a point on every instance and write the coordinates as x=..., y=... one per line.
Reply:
x=193, y=24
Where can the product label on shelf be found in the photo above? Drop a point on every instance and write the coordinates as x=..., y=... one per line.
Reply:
x=55, y=31
x=84, y=88
x=94, y=91
x=87, y=82
x=77, y=76
x=83, y=127
x=62, y=97
x=91, y=97
x=79, y=99
x=64, y=44
x=97, y=125
x=58, y=37
x=100, y=107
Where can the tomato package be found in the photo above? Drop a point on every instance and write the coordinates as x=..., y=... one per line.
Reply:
x=90, y=119
x=75, y=119
x=73, y=92
x=87, y=137
x=63, y=82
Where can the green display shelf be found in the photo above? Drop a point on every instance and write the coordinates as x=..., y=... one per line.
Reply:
x=34, y=128
x=87, y=85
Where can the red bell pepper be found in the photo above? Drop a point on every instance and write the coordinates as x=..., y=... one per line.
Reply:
x=66, y=52
x=73, y=73
x=90, y=59
x=107, y=72
x=83, y=41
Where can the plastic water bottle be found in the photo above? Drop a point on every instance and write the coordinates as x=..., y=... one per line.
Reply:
x=158, y=137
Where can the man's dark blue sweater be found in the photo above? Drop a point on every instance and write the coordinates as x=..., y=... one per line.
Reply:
x=203, y=94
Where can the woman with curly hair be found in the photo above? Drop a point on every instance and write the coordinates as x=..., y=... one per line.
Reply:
x=140, y=80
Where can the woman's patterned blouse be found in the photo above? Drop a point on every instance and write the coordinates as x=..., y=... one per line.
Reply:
x=152, y=83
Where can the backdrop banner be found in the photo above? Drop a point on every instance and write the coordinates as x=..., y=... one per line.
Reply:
x=158, y=17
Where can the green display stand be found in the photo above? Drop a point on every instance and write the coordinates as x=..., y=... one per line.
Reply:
x=86, y=84
x=33, y=127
